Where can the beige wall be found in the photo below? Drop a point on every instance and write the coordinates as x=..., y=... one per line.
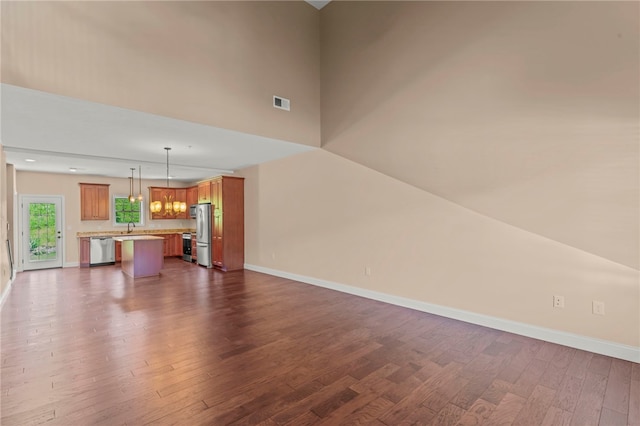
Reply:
x=526, y=112
x=29, y=183
x=322, y=216
x=5, y=270
x=215, y=62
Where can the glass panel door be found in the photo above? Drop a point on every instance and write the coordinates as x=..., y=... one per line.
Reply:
x=42, y=232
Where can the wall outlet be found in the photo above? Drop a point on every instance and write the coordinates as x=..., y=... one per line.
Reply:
x=273, y=255
x=367, y=270
x=598, y=307
x=558, y=301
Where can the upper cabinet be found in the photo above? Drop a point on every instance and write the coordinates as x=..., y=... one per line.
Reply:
x=94, y=201
x=181, y=196
x=204, y=192
x=192, y=196
x=163, y=202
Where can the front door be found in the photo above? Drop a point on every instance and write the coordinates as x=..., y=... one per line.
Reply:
x=41, y=232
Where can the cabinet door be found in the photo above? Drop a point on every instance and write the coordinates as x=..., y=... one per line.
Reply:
x=118, y=251
x=102, y=202
x=94, y=201
x=204, y=192
x=85, y=252
x=192, y=196
x=181, y=195
x=194, y=250
x=177, y=245
x=163, y=195
x=168, y=246
x=216, y=194
x=87, y=195
x=155, y=194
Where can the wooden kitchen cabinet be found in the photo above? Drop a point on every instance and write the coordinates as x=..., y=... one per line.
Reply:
x=118, y=251
x=167, y=249
x=85, y=252
x=94, y=201
x=227, y=234
x=194, y=249
x=181, y=195
x=204, y=192
x=156, y=194
x=192, y=197
x=164, y=194
x=177, y=245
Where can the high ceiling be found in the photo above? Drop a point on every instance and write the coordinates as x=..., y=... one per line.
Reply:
x=63, y=134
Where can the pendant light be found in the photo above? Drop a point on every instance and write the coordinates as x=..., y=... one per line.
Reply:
x=171, y=207
x=131, y=197
x=140, y=197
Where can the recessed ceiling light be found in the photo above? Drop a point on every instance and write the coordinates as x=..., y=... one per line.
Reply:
x=73, y=169
x=29, y=160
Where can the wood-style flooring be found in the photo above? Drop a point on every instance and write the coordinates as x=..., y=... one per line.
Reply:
x=197, y=346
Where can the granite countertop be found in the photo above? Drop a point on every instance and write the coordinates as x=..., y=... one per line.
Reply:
x=136, y=237
x=135, y=232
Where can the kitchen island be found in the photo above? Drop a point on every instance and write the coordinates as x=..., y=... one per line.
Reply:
x=142, y=255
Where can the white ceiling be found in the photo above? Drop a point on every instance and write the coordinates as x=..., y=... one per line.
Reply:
x=318, y=4
x=60, y=133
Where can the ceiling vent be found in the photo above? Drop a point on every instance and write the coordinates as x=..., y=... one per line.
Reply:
x=281, y=103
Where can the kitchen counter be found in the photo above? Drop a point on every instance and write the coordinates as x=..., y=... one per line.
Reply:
x=135, y=232
x=142, y=255
x=136, y=237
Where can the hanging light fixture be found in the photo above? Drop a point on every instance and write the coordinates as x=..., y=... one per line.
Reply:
x=140, y=197
x=171, y=207
x=131, y=197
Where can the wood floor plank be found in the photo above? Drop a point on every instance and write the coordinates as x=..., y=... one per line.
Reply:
x=590, y=401
x=556, y=417
x=536, y=406
x=634, y=401
x=507, y=410
x=610, y=417
x=568, y=394
x=616, y=397
x=477, y=414
x=448, y=416
x=89, y=346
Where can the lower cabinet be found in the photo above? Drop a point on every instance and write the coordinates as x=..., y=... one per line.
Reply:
x=194, y=250
x=85, y=252
x=118, y=254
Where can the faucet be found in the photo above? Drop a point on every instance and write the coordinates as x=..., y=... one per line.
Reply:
x=129, y=229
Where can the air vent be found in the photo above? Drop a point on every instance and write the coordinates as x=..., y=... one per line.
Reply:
x=281, y=103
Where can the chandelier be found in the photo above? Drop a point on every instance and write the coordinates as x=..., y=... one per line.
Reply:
x=171, y=206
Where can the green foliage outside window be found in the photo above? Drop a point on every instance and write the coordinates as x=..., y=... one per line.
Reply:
x=126, y=212
x=42, y=231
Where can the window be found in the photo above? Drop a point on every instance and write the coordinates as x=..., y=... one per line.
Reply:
x=125, y=212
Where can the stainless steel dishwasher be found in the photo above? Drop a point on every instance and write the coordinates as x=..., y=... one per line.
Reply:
x=103, y=251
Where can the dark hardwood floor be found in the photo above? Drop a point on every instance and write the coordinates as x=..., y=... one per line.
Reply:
x=196, y=346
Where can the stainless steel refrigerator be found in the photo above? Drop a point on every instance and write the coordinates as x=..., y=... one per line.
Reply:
x=203, y=234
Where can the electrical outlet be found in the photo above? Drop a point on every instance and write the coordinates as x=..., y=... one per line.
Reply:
x=558, y=301
x=598, y=307
x=367, y=270
x=273, y=255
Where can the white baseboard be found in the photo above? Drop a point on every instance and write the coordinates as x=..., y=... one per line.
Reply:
x=603, y=347
x=71, y=264
x=5, y=293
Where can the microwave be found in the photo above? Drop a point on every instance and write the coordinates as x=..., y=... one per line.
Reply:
x=193, y=211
